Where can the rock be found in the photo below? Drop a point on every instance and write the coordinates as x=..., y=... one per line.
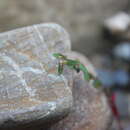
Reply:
x=82, y=19
x=122, y=104
x=117, y=26
x=90, y=110
x=122, y=51
x=119, y=78
x=118, y=23
x=30, y=89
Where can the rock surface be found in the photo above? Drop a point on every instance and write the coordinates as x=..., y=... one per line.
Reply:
x=90, y=110
x=117, y=26
x=118, y=23
x=30, y=88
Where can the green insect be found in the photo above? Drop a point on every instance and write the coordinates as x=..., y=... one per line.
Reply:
x=77, y=66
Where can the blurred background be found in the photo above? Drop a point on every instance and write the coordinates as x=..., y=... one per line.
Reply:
x=82, y=19
x=100, y=29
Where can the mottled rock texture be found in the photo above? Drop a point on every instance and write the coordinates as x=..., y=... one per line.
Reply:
x=90, y=110
x=32, y=93
x=30, y=89
x=83, y=19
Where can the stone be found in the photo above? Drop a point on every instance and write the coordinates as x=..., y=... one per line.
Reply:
x=117, y=26
x=122, y=51
x=122, y=103
x=30, y=88
x=118, y=23
x=83, y=19
x=90, y=110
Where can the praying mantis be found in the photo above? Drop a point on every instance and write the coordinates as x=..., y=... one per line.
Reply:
x=77, y=66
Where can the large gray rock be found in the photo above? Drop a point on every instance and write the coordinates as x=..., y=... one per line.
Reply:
x=82, y=18
x=30, y=89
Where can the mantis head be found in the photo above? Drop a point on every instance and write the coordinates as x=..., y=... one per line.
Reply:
x=59, y=56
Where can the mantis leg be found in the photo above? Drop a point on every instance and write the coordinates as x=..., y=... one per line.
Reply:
x=60, y=68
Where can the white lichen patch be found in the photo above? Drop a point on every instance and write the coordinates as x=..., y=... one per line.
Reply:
x=52, y=105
